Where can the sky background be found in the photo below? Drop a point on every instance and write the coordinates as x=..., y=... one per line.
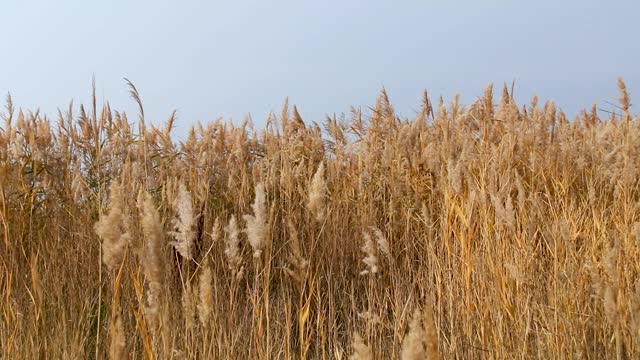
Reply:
x=210, y=59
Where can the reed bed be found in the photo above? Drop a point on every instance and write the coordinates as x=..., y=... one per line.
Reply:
x=487, y=231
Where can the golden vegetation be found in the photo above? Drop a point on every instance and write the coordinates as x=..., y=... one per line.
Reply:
x=487, y=231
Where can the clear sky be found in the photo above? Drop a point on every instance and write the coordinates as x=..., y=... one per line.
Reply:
x=208, y=59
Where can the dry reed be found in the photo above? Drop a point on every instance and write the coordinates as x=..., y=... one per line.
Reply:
x=516, y=227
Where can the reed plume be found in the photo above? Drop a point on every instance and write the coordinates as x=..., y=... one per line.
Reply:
x=232, y=248
x=152, y=255
x=205, y=304
x=413, y=343
x=371, y=258
x=361, y=351
x=113, y=229
x=317, y=193
x=183, y=223
x=256, y=226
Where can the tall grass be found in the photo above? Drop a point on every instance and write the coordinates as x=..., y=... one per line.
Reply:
x=484, y=231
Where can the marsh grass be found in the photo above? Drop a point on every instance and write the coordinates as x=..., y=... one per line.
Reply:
x=493, y=230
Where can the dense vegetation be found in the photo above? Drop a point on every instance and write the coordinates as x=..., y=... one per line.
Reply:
x=484, y=231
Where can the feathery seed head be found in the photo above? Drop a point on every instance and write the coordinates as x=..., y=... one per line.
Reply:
x=317, y=193
x=183, y=223
x=371, y=260
x=113, y=229
x=152, y=260
x=232, y=247
x=413, y=343
x=205, y=305
x=256, y=227
x=361, y=351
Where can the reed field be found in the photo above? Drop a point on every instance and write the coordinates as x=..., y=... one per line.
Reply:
x=492, y=230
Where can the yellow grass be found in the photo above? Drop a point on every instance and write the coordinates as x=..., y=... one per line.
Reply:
x=484, y=231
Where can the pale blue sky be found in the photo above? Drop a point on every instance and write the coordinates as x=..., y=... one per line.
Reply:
x=230, y=58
